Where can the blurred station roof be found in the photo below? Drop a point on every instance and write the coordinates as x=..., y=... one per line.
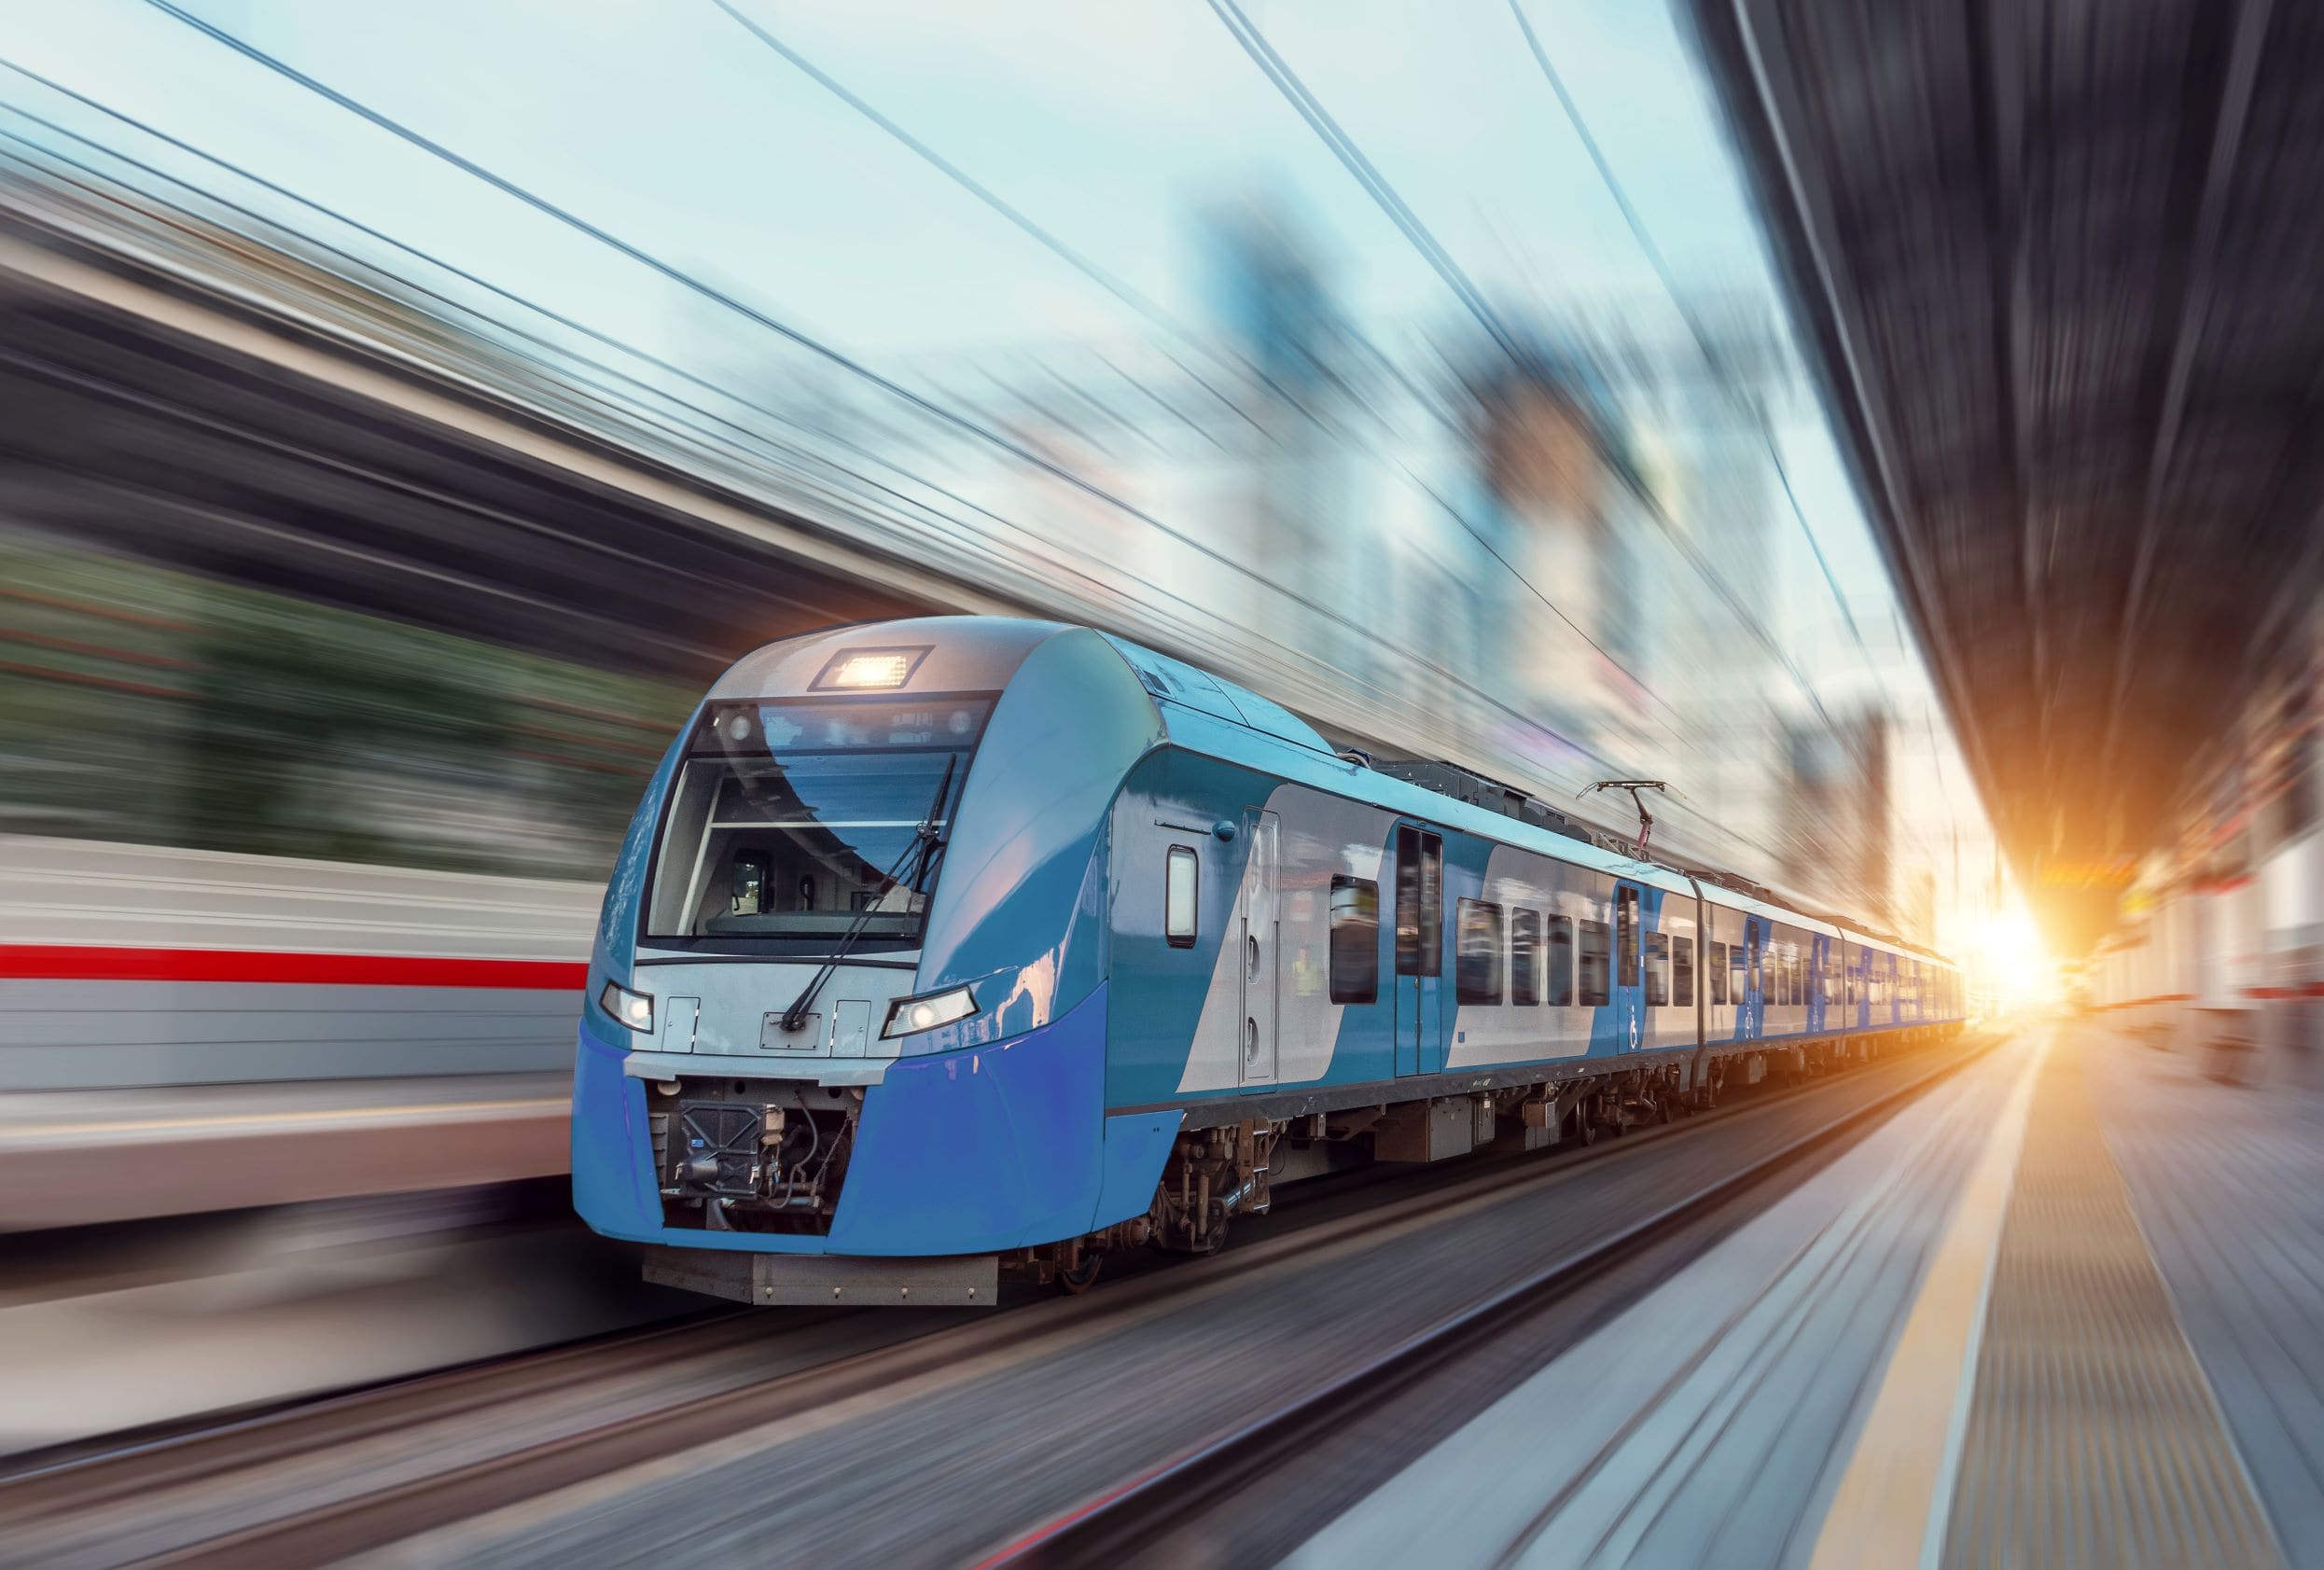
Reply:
x=218, y=430
x=2056, y=267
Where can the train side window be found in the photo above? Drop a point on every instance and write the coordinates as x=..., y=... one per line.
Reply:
x=1408, y=901
x=1715, y=973
x=1657, y=969
x=1561, y=994
x=1626, y=936
x=1431, y=905
x=1525, y=957
x=1419, y=903
x=1596, y=963
x=1682, y=972
x=1476, y=936
x=1179, y=885
x=1355, y=941
x=1754, y=977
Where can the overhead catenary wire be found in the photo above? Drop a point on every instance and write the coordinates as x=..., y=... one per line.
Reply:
x=1295, y=91
x=1310, y=108
x=1050, y=550
x=1661, y=265
x=1667, y=276
x=926, y=407
x=1169, y=323
x=919, y=403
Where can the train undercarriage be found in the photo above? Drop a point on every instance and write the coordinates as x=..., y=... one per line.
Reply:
x=770, y=1157
x=1219, y=1173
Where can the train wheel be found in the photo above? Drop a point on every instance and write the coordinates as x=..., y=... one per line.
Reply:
x=1083, y=1275
x=1585, y=1124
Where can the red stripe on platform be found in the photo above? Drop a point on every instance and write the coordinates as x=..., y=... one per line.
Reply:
x=57, y=962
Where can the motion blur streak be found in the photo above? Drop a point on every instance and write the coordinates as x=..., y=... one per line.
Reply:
x=1832, y=492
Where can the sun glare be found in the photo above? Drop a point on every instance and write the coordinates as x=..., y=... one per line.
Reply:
x=2012, y=962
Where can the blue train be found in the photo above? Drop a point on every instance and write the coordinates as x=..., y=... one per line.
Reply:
x=953, y=949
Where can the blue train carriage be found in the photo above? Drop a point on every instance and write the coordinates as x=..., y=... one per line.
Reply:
x=954, y=946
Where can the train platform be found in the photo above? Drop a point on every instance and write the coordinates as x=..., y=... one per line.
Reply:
x=2065, y=1309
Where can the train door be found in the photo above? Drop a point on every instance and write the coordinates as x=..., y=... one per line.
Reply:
x=1629, y=983
x=1419, y=945
x=1818, y=978
x=1262, y=940
x=1754, y=1000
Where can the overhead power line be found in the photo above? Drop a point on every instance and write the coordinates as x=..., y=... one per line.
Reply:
x=1645, y=239
x=1287, y=82
x=814, y=346
x=1165, y=319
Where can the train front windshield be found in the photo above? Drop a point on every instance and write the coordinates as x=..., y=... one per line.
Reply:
x=794, y=825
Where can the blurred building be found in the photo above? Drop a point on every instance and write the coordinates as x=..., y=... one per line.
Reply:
x=1839, y=817
x=1300, y=523
x=2229, y=916
x=1544, y=497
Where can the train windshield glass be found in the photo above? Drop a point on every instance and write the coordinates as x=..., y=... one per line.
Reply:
x=805, y=823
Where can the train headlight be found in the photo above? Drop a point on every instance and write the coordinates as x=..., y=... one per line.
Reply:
x=870, y=669
x=633, y=1009
x=909, y=1016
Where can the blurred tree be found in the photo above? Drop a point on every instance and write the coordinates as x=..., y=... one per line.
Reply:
x=296, y=703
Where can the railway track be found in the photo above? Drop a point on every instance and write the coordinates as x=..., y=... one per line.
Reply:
x=1140, y=1518
x=856, y=1354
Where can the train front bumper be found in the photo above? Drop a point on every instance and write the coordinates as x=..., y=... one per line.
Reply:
x=975, y=1151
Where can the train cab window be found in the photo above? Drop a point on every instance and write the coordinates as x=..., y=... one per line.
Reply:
x=1525, y=958
x=1419, y=902
x=1715, y=973
x=1682, y=971
x=1626, y=936
x=1596, y=966
x=1657, y=969
x=1180, y=887
x=1561, y=992
x=802, y=824
x=1476, y=936
x=1355, y=941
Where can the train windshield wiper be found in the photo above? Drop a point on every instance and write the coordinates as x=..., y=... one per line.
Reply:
x=926, y=844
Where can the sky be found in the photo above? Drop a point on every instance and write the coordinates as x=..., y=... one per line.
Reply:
x=1112, y=125
x=1115, y=127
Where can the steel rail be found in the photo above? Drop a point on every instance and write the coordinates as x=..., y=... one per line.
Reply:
x=333, y=1528
x=1134, y=1517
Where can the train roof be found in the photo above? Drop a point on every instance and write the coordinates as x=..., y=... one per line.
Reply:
x=1207, y=713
